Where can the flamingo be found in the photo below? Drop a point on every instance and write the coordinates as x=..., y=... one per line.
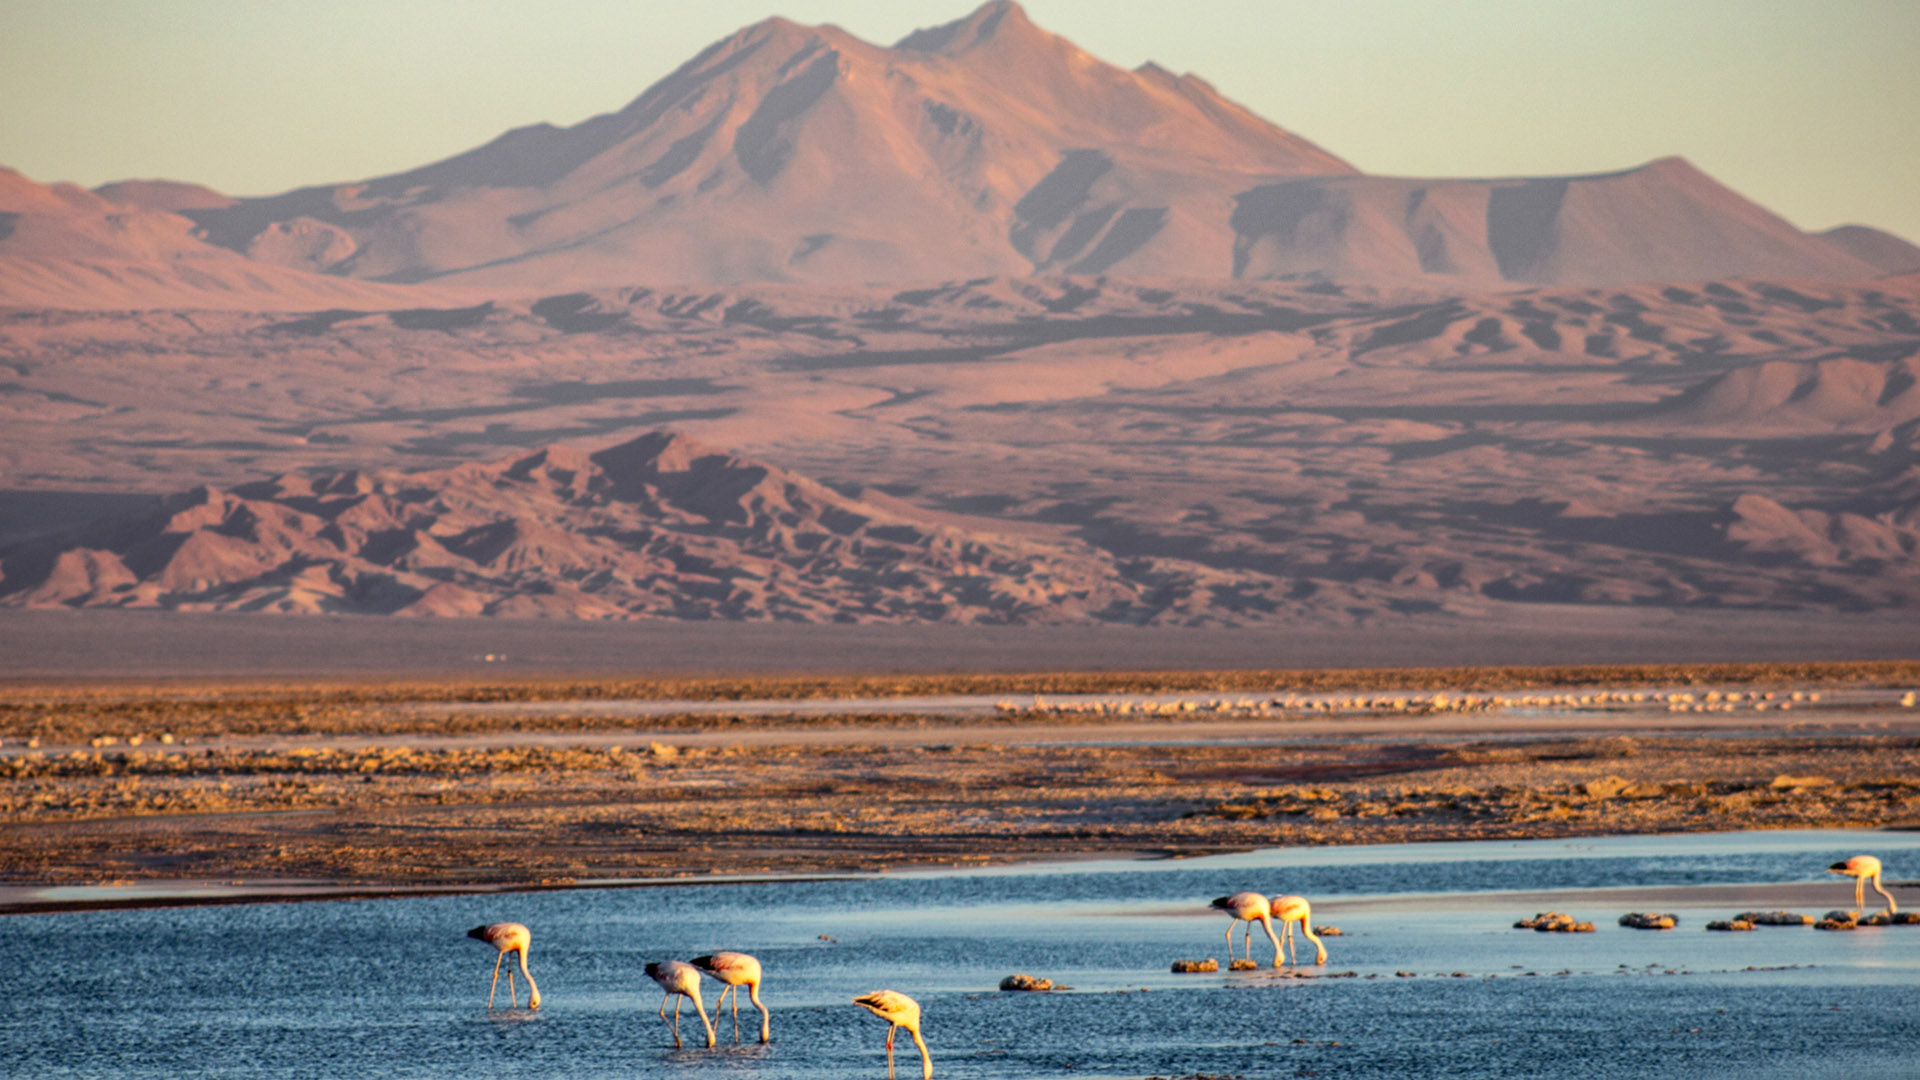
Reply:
x=1295, y=909
x=900, y=1011
x=736, y=970
x=508, y=937
x=680, y=981
x=1248, y=907
x=1860, y=868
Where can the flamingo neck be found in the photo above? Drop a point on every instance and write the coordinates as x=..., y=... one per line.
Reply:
x=766, y=1018
x=704, y=1022
x=926, y=1059
x=533, y=988
x=1320, y=950
x=1891, y=907
x=1271, y=936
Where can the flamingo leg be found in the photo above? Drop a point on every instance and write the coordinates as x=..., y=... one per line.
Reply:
x=736, y=1012
x=496, y=979
x=513, y=992
x=891, y=1028
x=1860, y=892
x=676, y=1019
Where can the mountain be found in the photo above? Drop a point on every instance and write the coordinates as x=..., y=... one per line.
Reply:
x=986, y=146
x=1882, y=250
x=1664, y=221
x=1174, y=452
x=171, y=196
x=656, y=527
x=62, y=246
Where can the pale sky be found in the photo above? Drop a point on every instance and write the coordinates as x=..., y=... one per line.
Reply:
x=1810, y=107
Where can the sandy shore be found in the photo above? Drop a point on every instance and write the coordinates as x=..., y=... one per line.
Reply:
x=353, y=793
x=1814, y=897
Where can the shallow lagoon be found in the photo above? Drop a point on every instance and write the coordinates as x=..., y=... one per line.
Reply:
x=393, y=988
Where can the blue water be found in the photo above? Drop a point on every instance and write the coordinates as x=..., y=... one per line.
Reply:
x=393, y=988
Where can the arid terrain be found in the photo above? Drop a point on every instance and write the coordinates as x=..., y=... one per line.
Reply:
x=968, y=354
x=354, y=786
x=1185, y=454
x=974, y=328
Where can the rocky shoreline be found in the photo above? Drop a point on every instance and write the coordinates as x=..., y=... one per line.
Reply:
x=532, y=816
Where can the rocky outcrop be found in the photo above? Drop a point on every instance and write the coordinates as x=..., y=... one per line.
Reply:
x=657, y=527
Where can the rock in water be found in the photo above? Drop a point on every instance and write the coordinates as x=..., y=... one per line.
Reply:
x=1729, y=924
x=1025, y=983
x=1649, y=920
x=1775, y=918
x=1191, y=967
x=1554, y=922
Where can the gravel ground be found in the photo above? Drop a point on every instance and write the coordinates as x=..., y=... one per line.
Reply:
x=528, y=815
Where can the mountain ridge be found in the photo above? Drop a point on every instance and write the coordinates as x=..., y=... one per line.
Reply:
x=658, y=526
x=982, y=147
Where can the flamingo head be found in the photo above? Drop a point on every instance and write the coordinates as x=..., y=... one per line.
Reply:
x=533, y=1000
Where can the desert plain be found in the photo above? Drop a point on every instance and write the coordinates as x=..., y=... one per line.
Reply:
x=827, y=369
x=341, y=788
x=926, y=511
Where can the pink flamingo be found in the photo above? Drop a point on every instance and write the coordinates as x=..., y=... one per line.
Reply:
x=900, y=1011
x=508, y=937
x=736, y=970
x=1295, y=909
x=680, y=981
x=1860, y=868
x=1250, y=908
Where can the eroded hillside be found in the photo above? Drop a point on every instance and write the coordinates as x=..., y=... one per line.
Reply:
x=1193, y=452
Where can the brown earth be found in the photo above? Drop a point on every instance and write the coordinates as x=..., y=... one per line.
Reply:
x=72, y=712
x=658, y=527
x=1232, y=453
x=526, y=815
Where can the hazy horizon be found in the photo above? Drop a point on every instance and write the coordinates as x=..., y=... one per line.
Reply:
x=253, y=100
